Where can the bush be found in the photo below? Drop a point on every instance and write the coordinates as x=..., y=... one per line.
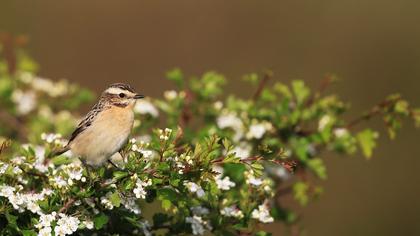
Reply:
x=219, y=164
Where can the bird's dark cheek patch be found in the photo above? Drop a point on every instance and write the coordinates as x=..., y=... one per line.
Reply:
x=120, y=104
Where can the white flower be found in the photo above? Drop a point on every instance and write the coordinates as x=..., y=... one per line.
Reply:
x=170, y=95
x=59, y=181
x=262, y=214
x=45, y=231
x=163, y=137
x=3, y=168
x=340, y=132
x=198, y=224
x=6, y=191
x=46, y=192
x=324, y=122
x=194, y=188
x=25, y=101
x=145, y=107
x=45, y=220
x=225, y=183
x=230, y=120
x=242, y=150
x=232, y=211
x=218, y=169
x=131, y=205
x=17, y=170
x=106, y=202
x=33, y=207
x=18, y=160
x=199, y=210
x=74, y=171
x=251, y=179
x=139, y=190
x=218, y=105
x=145, y=226
x=88, y=224
x=41, y=84
x=66, y=225
x=22, y=201
x=50, y=138
x=60, y=230
x=256, y=131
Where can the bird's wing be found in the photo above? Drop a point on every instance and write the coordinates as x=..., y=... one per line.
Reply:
x=87, y=121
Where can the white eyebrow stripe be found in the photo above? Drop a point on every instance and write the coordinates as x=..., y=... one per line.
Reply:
x=114, y=90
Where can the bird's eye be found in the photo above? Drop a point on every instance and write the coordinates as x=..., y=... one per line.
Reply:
x=121, y=95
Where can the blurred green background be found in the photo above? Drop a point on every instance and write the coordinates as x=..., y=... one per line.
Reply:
x=372, y=45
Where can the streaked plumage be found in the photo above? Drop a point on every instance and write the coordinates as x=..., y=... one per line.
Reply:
x=106, y=127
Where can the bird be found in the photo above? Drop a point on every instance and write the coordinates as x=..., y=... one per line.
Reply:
x=106, y=127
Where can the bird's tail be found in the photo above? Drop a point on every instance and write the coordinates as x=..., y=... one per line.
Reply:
x=59, y=151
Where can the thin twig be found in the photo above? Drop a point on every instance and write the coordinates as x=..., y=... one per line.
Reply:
x=322, y=87
x=35, y=174
x=267, y=76
x=374, y=111
x=67, y=205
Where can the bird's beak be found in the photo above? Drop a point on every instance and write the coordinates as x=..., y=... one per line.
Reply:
x=138, y=96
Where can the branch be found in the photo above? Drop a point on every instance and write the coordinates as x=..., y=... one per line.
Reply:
x=267, y=76
x=35, y=174
x=67, y=205
x=322, y=87
x=373, y=112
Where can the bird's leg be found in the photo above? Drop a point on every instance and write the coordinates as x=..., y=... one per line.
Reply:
x=112, y=163
x=123, y=157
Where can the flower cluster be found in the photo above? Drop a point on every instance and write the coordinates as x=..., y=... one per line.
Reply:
x=63, y=224
x=219, y=165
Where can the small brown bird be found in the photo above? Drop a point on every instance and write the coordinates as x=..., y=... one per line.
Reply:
x=105, y=129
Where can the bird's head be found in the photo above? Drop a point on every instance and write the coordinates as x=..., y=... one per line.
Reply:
x=121, y=95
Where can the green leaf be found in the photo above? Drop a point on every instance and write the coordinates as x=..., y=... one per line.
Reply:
x=318, y=167
x=257, y=168
x=11, y=219
x=252, y=78
x=262, y=233
x=176, y=76
x=367, y=141
x=300, y=90
x=402, y=107
x=282, y=89
x=235, y=171
x=164, y=166
x=268, y=96
x=61, y=160
x=166, y=204
x=6, y=88
x=115, y=199
x=100, y=221
x=119, y=174
x=29, y=233
x=175, y=181
x=300, y=192
x=167, y=193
